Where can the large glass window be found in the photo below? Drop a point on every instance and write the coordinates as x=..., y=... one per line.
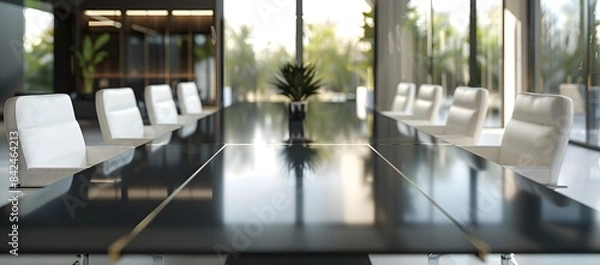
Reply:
x=450, y=41
x=431, y=44
x=334, y=43
x=260, y=35
x=489, y=47
x=415, y=26
x=562, y=56
x=593, y=111
x=38, y=46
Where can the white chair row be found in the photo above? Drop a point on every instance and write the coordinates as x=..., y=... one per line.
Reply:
x=121, y=122
x=51, y=143
x=534, y=140
x=465, y=117
x=422, y=110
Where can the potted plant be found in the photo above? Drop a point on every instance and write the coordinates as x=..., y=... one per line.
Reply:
x=91, y=54
x=298, y=83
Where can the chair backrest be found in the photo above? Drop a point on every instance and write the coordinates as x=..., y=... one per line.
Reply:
x=404, y=98
x=428, y=102
x=118, y=114
x=160, y=104
x=538, y=133
x=48, y=133
x=468, y=111
x=189, y=100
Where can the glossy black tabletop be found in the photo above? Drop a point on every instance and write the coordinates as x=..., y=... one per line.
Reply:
x=302, y=199
x=330, y=123
x=358, y=183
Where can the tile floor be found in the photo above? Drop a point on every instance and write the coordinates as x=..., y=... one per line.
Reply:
x=580, y=172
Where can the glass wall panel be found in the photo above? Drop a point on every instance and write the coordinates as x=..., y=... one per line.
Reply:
x=562, y=56
x=402, y=47
x=593, y=111
x=429, y=42
x=450, y=40
x=204, y=68
x=338, y=44
x=260, y=35
x=489, y=47
x=108, y=71
x=415, y=44
x=158, y=47
x=38, y=46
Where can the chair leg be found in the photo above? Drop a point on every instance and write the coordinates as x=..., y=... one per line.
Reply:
x=433, y=259
x=83, y=259
x=159, y=259
x=508, y=259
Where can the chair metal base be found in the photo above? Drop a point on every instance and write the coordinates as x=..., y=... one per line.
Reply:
x=82, y=259
x=508, y=259
x=433, y=259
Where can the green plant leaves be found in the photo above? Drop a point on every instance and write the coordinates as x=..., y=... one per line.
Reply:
x=88, y=47
x=90, y=55
x=297, y=82
x=101, y=41
x=99, y=57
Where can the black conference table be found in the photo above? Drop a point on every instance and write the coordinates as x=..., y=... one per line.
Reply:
x=234, y=184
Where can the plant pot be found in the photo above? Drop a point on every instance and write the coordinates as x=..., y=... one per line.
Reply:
x=297, y=110
x=296, y=129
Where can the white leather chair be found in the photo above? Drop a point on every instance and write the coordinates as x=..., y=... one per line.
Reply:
x=51, y=143
x=426, y=106
x=189, y=100
x=161, y=107
x=120, y=119
x=404, y=98
x=465, y=117
x=535, y=138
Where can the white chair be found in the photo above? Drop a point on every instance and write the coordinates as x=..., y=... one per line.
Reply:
x=426, y=106
x=161, y=107
x=465, y=117
x=189, y=100
x=51, y=144
x=227, y=97
x=535, y=139
x=404, y=98
x=120, y=119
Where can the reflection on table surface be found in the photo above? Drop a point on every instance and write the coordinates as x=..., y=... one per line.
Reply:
x=251, y=188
